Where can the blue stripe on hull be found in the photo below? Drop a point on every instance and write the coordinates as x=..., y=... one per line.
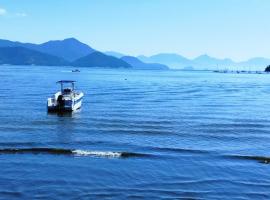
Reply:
x=78, y=100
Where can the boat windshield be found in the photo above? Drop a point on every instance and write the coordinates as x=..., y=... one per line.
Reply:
x=67, y=91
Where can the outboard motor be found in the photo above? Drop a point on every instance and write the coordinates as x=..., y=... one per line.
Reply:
x=60, y=102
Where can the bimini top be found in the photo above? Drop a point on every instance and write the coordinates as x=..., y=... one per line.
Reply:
x=66, y=81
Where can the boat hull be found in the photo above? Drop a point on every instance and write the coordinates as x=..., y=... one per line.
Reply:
x=65, y=105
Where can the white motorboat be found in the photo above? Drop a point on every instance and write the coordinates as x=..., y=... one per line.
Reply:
x=67, y=99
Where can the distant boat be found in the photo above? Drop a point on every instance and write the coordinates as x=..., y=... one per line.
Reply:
x=76, y=70
x=65, y=100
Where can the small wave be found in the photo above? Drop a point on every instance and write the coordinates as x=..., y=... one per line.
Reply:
x=261, y=159
x=108, y=154
x=75, y=152
x=179, y=150
x=97, y=153
x=65, y=71
x=36, y=150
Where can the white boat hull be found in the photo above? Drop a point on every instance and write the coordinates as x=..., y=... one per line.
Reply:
x=67, y=103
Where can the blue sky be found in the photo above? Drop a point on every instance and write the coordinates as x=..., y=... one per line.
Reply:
x=238, y=29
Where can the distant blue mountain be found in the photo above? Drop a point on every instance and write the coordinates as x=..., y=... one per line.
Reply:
x=255, y=62
x=114, y=54
x=24, y=56
x=180, y=62
x=205, y=62
x=70, y=49
x=137, y=64
x=59, y=52
x=171, y=60
x=98, y=59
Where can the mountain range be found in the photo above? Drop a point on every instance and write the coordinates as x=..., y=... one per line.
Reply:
x=69, y=49
x=64, y=52
x=203, y=62
x=72, y=52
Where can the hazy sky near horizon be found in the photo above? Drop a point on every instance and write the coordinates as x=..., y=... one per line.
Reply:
x=238, y=29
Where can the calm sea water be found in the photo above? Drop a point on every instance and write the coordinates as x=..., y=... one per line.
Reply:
x=139, y=135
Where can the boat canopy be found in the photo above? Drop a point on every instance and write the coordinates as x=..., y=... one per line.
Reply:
x=65, y=81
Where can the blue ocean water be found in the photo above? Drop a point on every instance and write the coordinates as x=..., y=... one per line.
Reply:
x=139, y=135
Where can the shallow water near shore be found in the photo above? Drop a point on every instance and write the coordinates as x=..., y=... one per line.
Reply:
x=139, y=135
